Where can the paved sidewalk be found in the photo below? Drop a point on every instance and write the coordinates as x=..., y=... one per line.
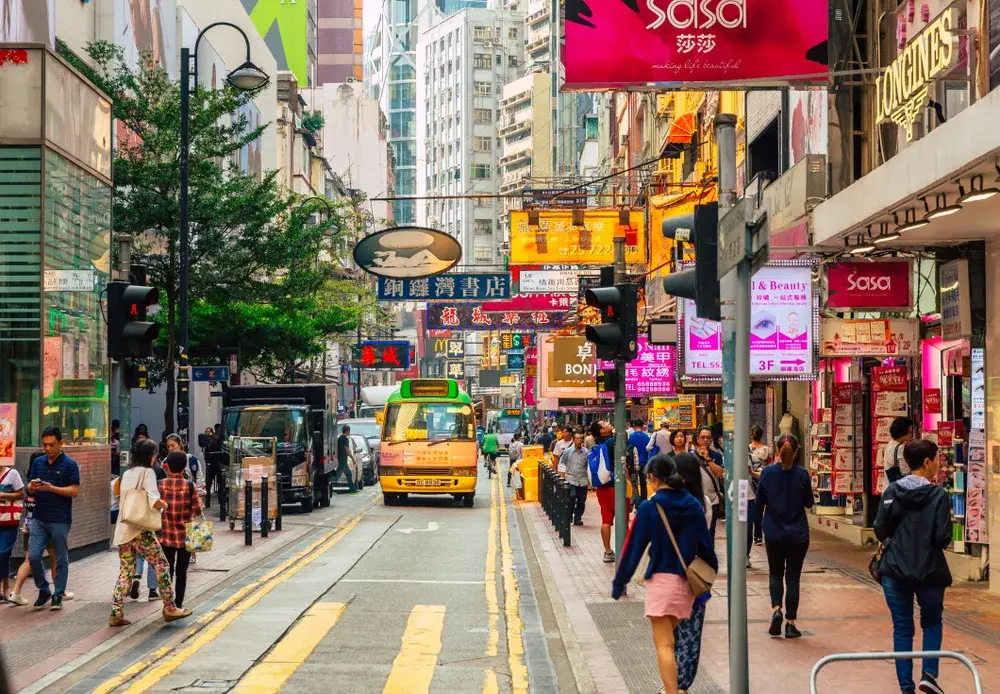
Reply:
x=841, y=610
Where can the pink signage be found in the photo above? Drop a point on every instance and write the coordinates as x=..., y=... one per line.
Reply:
x=652, y=372
x=860, y=284
x=532, y=302
x=611, y=45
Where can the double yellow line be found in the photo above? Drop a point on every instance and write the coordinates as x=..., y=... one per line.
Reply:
x=207, y=628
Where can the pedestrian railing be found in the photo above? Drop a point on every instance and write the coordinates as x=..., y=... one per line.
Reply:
x=902, y=655
x=553, y=492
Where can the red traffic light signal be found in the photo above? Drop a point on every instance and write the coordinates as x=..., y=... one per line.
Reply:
x=129, y=333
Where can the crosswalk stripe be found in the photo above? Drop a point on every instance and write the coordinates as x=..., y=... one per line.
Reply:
x=269, y=675
x=413, y=668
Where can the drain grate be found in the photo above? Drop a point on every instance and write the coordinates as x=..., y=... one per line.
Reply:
x=225, y=685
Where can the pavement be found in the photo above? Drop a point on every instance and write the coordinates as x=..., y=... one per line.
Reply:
x=610, y=649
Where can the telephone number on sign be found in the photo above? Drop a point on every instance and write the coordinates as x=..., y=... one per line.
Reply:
x=576, y=251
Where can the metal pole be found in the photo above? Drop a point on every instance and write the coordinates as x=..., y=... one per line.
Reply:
x=185, y=232
x=621, y=512
x=736, y=418
x=265, y=519
x=248, y=513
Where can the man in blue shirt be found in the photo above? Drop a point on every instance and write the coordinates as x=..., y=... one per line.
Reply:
x=54, y=480
x=638, y=440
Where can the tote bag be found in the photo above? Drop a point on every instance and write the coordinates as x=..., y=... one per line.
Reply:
x=136, y=509
x=10, y=511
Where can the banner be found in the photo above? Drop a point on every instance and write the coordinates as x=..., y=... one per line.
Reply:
x=652, y=372
x=450, y=287
x=868, y=338
x=472, y=317
x=693, y=43
x=863, y=284
x=556, y=240
x=532, y=302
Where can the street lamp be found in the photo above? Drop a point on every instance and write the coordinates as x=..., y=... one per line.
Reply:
x=246, y=77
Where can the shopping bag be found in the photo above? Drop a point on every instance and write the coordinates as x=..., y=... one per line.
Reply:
x=198, y=536
x=136, y=508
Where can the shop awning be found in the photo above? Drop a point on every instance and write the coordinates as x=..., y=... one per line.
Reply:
x=967, y=144
x=679, y=135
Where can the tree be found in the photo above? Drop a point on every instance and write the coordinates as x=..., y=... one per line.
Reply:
x=255, y=266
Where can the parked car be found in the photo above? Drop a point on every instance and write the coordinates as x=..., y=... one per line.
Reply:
x=363, y=450
x=371, y=430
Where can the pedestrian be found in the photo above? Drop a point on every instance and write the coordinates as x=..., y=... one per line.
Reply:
x=669, y=599
x=54, y=481
x=560, y=446
x=677, y=443
x=712, y=471
x=574, y=461
x=11, y=510
x=141, y=432
x=140, y=565
x=783, y=495
x=687, y=635
x=914, y=524
x=759, y=456
x=544, y=440
x=638, y=441
x=183, y=506
x=604, y=444
x=345, y=451
x=490, y=447
x=132, y=540
x=893, y=460
x=514, y=454
x=193, y=466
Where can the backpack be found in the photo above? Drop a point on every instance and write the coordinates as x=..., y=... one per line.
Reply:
x=602, y=473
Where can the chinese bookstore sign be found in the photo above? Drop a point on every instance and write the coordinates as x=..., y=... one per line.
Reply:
x=451, y=287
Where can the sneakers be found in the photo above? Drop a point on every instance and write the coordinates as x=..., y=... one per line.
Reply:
x=69, y=595
x=929, y=685
x=57, y=601
x=609, y=557
x=43, y=599
x=116, y=621
x=133, y=591
x=791, y=631
x=153, y=595
x=776, y=619
x=16, y=600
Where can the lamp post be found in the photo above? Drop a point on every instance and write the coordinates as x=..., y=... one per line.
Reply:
x=247, y=77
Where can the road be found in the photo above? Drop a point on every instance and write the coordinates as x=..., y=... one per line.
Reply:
x=424, y=597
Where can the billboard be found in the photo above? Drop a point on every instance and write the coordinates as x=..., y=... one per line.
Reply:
x=450, y=287
x=652, y=372
x=693, y=43
x=385, y=354
x=552, y=371
x=555, y=240
x=473, y=317
x=808, y=123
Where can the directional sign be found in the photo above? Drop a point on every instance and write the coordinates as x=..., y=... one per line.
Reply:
x=210, y=373
x=732, y=248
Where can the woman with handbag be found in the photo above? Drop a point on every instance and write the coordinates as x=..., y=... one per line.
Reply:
x=682, y=561
x=183, y=506
x=139, y=519
x=11, y=510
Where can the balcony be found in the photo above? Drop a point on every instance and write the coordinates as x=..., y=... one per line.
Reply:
x=537, y=17
x=515, y=183
x=515, y=159
x=537, y=47
x=512, y=101
x=516, y=128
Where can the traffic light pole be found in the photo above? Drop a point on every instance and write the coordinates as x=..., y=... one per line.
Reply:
x=621, y=482
x=122, y=400
x=736, y=416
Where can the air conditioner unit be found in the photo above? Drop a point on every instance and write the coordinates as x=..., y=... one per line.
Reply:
x=488, y=43
x=351, y=80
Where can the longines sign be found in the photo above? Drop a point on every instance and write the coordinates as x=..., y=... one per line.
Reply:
x=902, y=91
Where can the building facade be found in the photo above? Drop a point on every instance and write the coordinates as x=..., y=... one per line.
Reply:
x=341, y=41
x=526, y=134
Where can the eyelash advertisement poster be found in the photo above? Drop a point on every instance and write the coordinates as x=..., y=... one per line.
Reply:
x=781, y=330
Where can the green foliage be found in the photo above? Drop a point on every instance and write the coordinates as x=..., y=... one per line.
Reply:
x=313, y=121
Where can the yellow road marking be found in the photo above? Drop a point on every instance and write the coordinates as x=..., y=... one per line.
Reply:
x=492, y=604
x=413, y=668
x=512, y=600
x=269, y=675
x=490, y=685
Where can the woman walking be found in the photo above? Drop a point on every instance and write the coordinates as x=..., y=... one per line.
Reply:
x=183, y=506
x=668, y=596
x=11, y=510
x=914, y=524
x=132, y=540
x=759, y=456
x=783, y=495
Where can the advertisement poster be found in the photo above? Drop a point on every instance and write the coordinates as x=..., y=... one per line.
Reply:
x=978, y=415
x=679, y=411
x=781, y=337
x=556, y=240
x=846, y=401
x=932, y=401
x=863, y=284
x=808, y=123
x=956, y=316
x=614, y=45
x=888, y=401
x=652, y=372
x=864, y=338
x=8, y=432
x=976, y=526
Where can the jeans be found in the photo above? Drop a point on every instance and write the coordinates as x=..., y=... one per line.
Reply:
x=8, y=538
x=578, y=501
x=751, y=517
x=140, y=564
x=784, y=562
x=179, y=559
x=687, y=645
x=42, y=535
x=344, y=468
x=899, y=597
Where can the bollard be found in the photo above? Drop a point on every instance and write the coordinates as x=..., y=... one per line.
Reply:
x=222, y=491
x=277, y=521
x=248, y=513
x=265, y=518
x=568, y=515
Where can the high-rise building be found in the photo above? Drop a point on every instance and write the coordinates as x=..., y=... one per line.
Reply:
x=464, y=60
x=525, y=133
x=341, y=49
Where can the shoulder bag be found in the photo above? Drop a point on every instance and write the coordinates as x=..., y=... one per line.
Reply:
x=10, y=511
x=700, y=576
x=136, y=509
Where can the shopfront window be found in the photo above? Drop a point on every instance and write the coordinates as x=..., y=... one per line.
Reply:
x=77, y=242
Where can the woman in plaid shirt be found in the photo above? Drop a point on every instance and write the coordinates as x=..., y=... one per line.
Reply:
x=183, y=506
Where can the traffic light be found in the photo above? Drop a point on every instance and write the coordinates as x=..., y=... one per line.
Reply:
x=129, y=333
x=701, y=282
x=616, y=336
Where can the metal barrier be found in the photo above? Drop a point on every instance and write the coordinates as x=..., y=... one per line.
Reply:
x=902, y=655
x=553, y=493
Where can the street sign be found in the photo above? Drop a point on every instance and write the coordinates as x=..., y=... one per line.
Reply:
x=732, y=249
x=209, y=373
x=449, y=287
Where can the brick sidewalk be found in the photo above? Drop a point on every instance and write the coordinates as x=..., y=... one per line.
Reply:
x=32, y=648
x=841, y=610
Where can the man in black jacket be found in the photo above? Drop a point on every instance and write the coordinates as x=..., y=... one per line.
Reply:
x=914, y=523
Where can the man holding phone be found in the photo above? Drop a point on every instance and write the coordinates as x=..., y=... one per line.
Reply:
x=54, y=482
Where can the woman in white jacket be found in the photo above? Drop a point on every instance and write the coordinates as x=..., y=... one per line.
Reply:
x=132, y=541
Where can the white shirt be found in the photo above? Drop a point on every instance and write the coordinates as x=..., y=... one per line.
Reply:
x=893, y=455
x=125, y=533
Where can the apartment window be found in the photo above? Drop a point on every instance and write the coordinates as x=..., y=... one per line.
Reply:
x=482, y=116
x=480, y=171
x=482, y=61
x=482, y=144
x=482, y=227
x=482, y=88
x=512, y=33
x=483, y=254
x=499, y=60
x=481, y=33
x=512, y=61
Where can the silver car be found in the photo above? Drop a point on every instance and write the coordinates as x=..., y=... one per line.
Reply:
x=371, y=430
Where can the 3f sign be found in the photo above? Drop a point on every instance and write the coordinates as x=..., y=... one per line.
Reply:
x=765, y=365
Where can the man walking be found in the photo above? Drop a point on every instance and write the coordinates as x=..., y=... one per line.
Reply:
x=638, y=441
x=575, y=461
x=344, y=452
x=514, y=454
x=54, y=480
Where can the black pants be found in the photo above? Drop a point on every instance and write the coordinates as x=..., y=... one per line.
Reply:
x=578, y=497
x=213, y=473
x=179, y=560
x=784, y=562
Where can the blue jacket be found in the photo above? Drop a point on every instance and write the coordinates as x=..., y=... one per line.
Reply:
x=782, y=499
x=687, y=520
x=639, y=440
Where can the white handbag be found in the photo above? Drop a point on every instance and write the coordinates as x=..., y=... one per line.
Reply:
x=136, y=509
